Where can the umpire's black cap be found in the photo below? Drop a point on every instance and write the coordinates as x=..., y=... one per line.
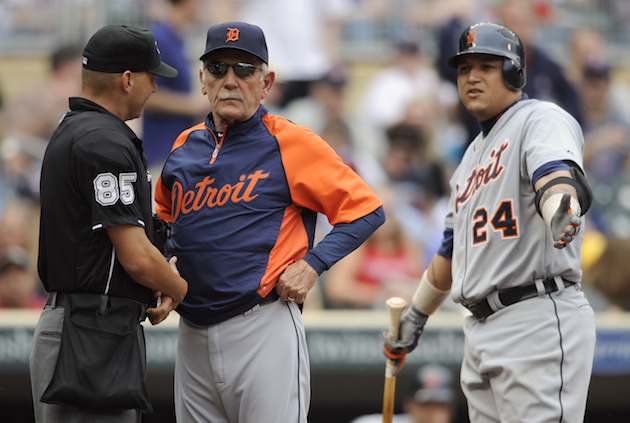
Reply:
x=239, y=36
x=120, y=48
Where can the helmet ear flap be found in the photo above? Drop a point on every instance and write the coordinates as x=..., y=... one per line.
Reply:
x=513, y=74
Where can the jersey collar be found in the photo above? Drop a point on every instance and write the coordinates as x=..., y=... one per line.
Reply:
x=80, y=104
x=240, y=127
x=486, y=126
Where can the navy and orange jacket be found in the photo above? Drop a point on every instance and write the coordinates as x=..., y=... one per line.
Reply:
x=243, y=207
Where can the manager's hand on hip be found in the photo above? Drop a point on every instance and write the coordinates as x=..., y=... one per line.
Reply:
x=411, y=326
x=565, y=224
x=295, y=282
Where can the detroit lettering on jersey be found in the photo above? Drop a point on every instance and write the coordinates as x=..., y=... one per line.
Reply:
x=205, y=194
x=482, y=176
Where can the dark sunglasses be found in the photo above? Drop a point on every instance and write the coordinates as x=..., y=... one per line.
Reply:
x=242, y=70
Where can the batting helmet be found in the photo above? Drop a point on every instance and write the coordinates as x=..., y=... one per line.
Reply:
x=495, y=40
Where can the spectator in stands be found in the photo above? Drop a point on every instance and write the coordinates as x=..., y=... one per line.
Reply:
x=18, y=238
x=607, y=132
x=324, y=112
x=446, y=137
x=593, y=247
x=2, y=120
x=610, y=273
x=606, y=148
x=304, y=36
x=339, y=135
x=585, y=45
x=418, y=184
x=408, y=75
x=33, y=115
x=408, y=161
x=176, y=105
x=387, y=264
x=545, y=78
x=18, y=284
x=325, y=102
x=431, y=401
x=4, y=189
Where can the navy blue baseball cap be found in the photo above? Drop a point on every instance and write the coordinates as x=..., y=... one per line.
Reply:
x=239, y=36
x=120, y=48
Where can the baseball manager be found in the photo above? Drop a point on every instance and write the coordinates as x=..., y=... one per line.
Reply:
x=241, y=191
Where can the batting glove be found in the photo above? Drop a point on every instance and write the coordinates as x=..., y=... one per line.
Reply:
x=412, y=324
x=565, y=224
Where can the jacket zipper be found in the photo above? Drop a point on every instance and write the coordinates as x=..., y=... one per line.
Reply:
x=218, y=142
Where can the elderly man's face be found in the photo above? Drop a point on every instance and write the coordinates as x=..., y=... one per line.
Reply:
x=234, y=97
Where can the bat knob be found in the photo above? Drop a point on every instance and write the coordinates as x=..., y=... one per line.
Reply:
x=396, y=302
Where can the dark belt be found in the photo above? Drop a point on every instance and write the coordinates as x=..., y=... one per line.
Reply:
x=56, y=299
x=508, y=296
x=97, y=302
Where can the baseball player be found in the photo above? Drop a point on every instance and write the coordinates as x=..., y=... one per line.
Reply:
x=511, y=247
x=241, y=191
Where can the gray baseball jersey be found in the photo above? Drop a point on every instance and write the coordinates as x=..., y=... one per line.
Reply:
x=519, y=361
x=499, y=238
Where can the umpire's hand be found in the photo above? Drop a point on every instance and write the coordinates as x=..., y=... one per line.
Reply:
x=165, y=303
x=161, y=312
x=295, y=282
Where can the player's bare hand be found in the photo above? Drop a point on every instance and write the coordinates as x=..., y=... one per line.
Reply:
x=295, y=282
x=161, y=312
x=564, y=224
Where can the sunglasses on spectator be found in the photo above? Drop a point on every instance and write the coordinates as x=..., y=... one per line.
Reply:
x=241, y=69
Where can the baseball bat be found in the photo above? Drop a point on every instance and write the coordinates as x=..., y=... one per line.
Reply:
x=395, y=305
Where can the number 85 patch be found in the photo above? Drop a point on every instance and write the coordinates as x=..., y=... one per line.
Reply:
x=108, y=189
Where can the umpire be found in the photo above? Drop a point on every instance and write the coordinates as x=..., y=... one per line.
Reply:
x=96, y=231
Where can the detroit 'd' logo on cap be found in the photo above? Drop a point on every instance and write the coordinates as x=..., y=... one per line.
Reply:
x=471, y=38
x=156, y=47
x=233, y=34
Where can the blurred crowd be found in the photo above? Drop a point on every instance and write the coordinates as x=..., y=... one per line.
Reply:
x=371, y=78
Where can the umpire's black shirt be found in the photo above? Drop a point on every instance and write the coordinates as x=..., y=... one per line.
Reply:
x=93, y=177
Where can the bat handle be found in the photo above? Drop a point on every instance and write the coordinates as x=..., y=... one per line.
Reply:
x=395, y=305
x=389, y=393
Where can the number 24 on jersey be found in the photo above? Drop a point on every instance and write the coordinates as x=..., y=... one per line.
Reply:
x=501, y=220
